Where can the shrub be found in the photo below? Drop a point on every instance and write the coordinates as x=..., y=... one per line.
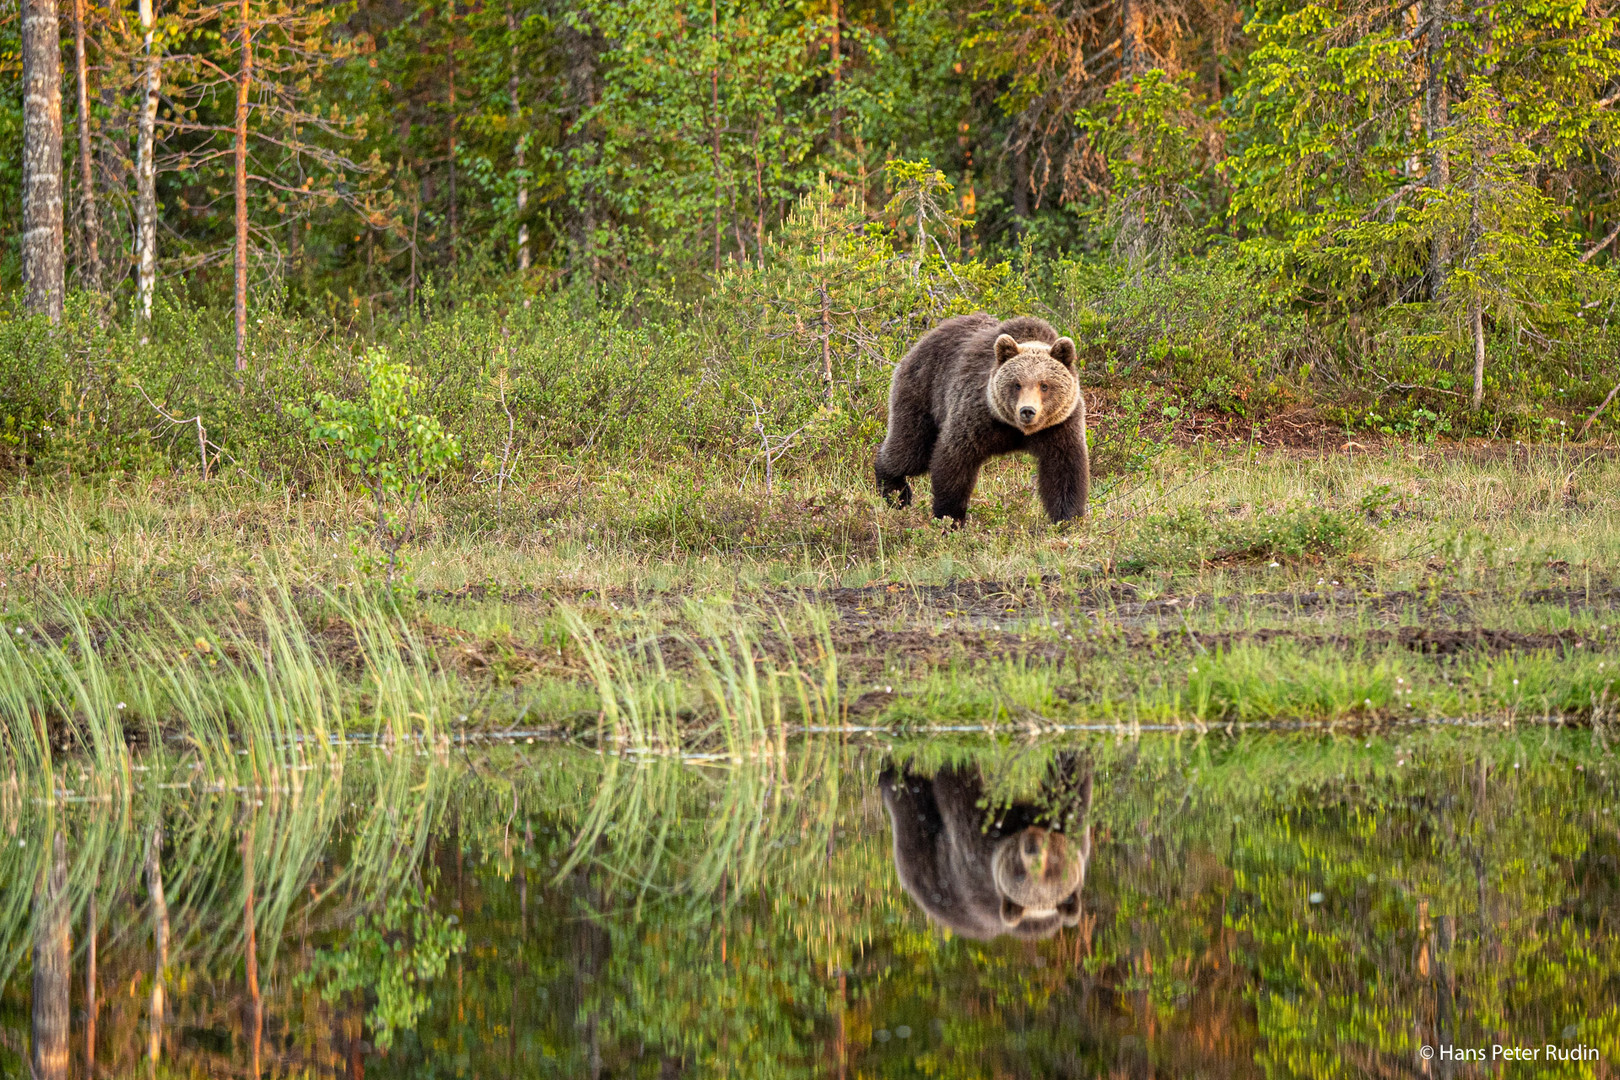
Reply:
x=392, y=452
x=1189, y=538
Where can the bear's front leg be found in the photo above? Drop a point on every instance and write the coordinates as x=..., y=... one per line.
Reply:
x=955, y=472
x=1064, y=469
x=893, y=489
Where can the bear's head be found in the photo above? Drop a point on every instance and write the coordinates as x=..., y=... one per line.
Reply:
x=1039, y=874
x=1034, y=384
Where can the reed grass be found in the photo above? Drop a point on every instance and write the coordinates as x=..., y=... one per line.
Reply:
x=229, y=622
x=381, y=809
x=256, y=702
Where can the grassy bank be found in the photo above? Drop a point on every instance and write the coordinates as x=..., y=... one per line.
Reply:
x=690, y=610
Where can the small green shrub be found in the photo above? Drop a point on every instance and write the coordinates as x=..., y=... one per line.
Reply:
x=392, y=452
x=1189, y=538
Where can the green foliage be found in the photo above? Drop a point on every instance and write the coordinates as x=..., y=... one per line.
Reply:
x=388, y=959
x=922, y=195
x=703, y=128
x=392, y=452
x=1147, y=132
x=1210, y=332
x=1189, y=537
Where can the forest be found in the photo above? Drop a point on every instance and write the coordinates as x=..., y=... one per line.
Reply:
x=1401, y=213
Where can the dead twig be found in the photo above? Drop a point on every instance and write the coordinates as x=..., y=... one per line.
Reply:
x=1597, y=412
x=204, y=443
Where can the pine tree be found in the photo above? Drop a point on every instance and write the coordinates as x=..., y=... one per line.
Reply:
x=1509, y=257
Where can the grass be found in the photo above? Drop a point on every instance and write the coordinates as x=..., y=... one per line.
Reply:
x=695, y=524
x=678, y=610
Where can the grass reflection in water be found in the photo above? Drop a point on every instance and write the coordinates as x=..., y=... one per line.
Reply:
x=1259, y=904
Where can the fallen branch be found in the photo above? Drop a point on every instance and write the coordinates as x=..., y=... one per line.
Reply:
x=1597, y=412
x=204, y=443
x=1592, y=251
x=202, y=432
x=772, y=447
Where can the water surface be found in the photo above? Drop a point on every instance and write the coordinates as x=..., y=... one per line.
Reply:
x=1265, y=904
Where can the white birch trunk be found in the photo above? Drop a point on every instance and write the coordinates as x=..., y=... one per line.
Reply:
x=52, y=968
x=42, y=254
x=146, y=172
x=160, y=939
x=517, y=117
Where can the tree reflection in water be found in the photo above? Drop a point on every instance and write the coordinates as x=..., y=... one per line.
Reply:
x=1255, y=905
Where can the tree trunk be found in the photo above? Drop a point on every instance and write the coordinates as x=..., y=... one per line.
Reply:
x=1436, y=118
x=90, y=219
x=517, y=120
x=244, y=85
x=714, y=93
x=251, y=951
x=410, y=284
x=146, y=172
x=579, y=44
x=52, y=968
x=92, y=1006
x=42, y=255
x=826, y=338
x=759, y=198
x=160, y=941
x=837, y=76
x=91, y=1003
x=1020, y=192
x=1477, y=317
x=450, y=56
x=1132, y=52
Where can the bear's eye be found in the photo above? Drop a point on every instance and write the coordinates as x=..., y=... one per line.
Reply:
x=1044, y=388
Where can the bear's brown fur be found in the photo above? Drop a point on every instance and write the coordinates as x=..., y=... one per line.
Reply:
x=975, y=387
x=1018, y=871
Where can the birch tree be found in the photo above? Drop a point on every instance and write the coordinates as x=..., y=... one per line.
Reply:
x=42, y=255
x=146, y=166
x=160, y=940
x=52, y=970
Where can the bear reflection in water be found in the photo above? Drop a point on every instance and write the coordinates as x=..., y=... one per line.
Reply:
x=985, y=870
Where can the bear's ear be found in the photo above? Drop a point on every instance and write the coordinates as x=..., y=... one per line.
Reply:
x=1006, y=349
x=1011, y=913
x=1063, y=352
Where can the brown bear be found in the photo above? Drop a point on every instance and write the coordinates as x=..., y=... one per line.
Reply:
x=975, y=387
x=1018, y=870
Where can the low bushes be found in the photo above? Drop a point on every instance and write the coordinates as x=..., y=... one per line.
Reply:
x=787, y=361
